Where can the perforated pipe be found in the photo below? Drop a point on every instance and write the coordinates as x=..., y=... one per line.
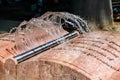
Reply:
x=73, y=24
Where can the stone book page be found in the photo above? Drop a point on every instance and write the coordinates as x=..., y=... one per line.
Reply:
x=91, y=56
x=96, y=56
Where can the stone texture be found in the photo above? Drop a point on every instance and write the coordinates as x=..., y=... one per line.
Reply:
x=92, y=56
x=8, y=50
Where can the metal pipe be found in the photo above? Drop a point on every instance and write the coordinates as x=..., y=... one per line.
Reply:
x=74, y=25
x=28, y=54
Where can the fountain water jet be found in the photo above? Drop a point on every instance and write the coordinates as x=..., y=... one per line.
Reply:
x=26, y=47
x=54, y=29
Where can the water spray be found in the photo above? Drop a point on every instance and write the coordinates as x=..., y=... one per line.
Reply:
x=73, y=24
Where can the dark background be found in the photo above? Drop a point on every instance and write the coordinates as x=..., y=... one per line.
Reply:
x=12, y=12
x=26, y=9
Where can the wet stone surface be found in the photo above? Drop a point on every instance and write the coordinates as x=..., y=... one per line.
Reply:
x=96, y=55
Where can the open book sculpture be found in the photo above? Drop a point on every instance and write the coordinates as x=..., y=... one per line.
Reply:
x=59, y=46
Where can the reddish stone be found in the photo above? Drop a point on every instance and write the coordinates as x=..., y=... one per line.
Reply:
x=92, y=56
